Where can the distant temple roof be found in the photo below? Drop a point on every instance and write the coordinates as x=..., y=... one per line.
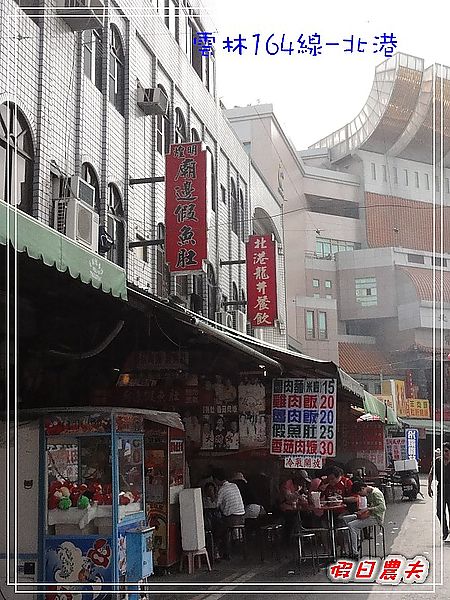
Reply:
x=397, y=118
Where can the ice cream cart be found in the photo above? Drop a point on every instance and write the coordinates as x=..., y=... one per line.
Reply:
x=93, y=498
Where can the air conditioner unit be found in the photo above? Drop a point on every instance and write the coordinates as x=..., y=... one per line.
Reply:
x=78, y=221
x=82, y=190
x=224, y=318
x=82, y=15
x=152, y=101
x=239, y=321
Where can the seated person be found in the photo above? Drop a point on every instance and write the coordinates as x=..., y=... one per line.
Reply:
x=253, y=510
x=372, y=515
x=231, y=507
x=293, y=497
x=336, y=484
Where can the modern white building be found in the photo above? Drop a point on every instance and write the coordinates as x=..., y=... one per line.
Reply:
x=367, y=227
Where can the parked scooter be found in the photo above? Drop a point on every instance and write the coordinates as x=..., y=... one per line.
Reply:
x=410, y=484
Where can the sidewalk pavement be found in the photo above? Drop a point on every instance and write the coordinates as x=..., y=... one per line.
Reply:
x=408, y=530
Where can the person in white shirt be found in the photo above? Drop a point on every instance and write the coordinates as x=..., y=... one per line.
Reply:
x=231, y=506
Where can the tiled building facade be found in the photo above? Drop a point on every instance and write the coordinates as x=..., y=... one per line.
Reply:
x=74, y=87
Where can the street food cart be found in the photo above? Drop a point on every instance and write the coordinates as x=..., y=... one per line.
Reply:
x=94, y=466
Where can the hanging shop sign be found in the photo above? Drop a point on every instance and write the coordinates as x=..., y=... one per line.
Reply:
x=304, y=417
x=396, y=389
x=261, y=281
x=412, y=444
x=186, y=210
x=303, y=462
x=419, y=408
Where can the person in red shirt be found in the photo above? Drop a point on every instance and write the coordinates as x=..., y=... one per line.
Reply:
x=337, y=484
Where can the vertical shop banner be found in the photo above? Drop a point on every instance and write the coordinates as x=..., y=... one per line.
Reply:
x=412, y=443
x=304, y=417
x=186, y=211
x=261, y=281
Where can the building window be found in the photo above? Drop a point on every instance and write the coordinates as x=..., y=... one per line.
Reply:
x=322, y=322
x=88, y=174
x=223, y=194
x=116, y=226
x=310, y=324
x=141, y=252
x=242, y=214
x=163, y=131
x=170, y=17
x=211, y=178
x=416, y=178
x=406, y=177
x=116, y=71
x=162, y=270
x=395, y=173
x=374, y=171
x=316, y=295
x=316, y=283
x=416, y=258
x=93, y=53
x=447, y=186
x=328, y=284
x=16, y=158
x=384, y=172
x=195, y=55
x=427, y=181
x=212, y=292
x=234, y=208
x=328, y=296
x=327, y=248
x=180, y=127
x=195, y=136
x=366, y=291
x=439, y=262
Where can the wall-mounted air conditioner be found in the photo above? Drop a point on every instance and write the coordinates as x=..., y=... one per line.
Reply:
x=152, y=101
x=239, y=321
x=78, y=221
x=81, y=189
x=224, y=318
x=82, y=15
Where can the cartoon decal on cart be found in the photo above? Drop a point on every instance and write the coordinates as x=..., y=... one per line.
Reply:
x=78, y=565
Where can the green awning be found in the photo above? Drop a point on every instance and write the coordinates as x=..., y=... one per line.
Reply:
x=54, y=249
x=426, y=424
x=376, y=407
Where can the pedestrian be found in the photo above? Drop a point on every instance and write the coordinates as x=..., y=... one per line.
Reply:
x=372, y=515
x=441, y=468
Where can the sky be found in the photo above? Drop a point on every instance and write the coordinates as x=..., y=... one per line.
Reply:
x=315, y=95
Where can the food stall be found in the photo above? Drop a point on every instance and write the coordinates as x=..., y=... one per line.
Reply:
x=94, y=465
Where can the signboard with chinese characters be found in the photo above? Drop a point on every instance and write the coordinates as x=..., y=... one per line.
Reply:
x=396, y=389
x=303, y=462
x=220, y=427
x=261, y=281
x=304, y=417
x=412, y=443
x=186, y=211
x=419, y=408
x=395, y=449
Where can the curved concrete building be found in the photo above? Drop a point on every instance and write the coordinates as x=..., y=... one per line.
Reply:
x=397, y=119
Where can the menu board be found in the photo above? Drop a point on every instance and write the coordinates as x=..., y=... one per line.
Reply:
x=303, y=417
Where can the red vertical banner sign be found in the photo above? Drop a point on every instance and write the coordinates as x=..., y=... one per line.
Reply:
x=186, y=227
x=261, y=281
